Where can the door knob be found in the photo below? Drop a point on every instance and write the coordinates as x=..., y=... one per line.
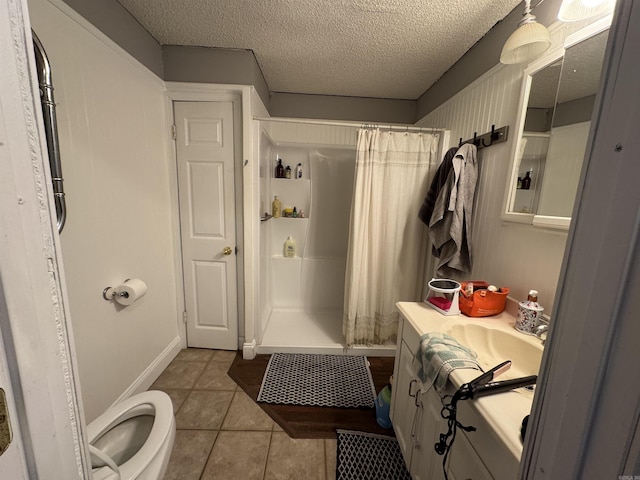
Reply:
x=227, y=250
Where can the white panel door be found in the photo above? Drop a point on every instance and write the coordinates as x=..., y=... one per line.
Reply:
x=205, y=156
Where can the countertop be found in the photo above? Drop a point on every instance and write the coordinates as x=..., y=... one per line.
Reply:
x=502, y=412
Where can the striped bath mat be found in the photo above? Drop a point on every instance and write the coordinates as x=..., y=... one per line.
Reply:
x=318, y=380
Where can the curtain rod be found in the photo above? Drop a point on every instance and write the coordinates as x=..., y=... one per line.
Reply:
x=348, y=124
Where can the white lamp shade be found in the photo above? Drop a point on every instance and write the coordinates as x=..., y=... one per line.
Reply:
x=525, y=44
x=575, y=10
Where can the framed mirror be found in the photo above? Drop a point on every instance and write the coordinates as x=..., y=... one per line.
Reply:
x=556, y=103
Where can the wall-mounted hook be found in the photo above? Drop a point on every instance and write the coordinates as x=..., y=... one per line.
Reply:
x=493, y=136
x=476, y=142
x=460, y=142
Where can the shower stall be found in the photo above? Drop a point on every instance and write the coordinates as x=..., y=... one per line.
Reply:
x=301, y=298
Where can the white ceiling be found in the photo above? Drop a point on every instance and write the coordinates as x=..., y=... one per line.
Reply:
x=366, y=48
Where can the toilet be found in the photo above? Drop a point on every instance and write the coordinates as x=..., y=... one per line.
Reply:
x=133, y=439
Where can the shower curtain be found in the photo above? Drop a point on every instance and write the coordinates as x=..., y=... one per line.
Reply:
x=388, y=245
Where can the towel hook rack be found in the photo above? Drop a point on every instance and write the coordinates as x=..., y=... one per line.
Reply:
x=495, y=136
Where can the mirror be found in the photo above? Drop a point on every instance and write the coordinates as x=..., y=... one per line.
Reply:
x=558, y=97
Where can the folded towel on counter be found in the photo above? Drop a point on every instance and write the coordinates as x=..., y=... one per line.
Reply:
x=439, y=354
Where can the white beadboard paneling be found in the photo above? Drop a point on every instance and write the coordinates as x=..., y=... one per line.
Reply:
x=309, y=133
x=517, y=256
x=111, y=116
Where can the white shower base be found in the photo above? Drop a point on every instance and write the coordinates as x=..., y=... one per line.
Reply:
x=311, y=331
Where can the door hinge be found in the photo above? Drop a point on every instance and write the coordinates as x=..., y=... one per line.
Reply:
x=184, y=317
x=174, y=132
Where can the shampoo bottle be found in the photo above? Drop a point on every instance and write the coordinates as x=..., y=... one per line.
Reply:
x=299, y=171
x=289, y=247
x=276, y=207
x=279, y=169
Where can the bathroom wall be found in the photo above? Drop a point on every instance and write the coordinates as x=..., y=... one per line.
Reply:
x=517, y=256
x=111, y=18
x=116, y=164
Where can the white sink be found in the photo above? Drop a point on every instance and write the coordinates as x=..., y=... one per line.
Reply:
x=494, y=346
x=495, y=340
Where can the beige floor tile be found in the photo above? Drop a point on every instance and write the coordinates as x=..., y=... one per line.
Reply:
x=224, y=357
x=190, y=453
x=179, y=374
x=239, y=455
x=195, y=355
x=277, y=428
x=245, y=414
x=203, y=410
x=214, y=377
x=295, y=458
x=330, y=452
x=177, y=396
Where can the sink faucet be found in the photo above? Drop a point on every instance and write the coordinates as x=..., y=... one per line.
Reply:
x=540, y=330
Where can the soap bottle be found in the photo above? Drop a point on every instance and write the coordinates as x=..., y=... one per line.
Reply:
x=299, y=171
x=526, y=181
x=279, y=169
x=289, y=247
x=276, y=207
x=529, y=314
x=287, y=173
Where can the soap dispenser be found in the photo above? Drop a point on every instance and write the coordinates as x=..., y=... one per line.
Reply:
x=529, y=314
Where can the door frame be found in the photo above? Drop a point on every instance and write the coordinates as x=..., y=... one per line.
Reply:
x=36, y=334
x=196, y=92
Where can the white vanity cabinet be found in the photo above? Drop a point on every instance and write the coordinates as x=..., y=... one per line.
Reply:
x=417, y=422
x=416, y=417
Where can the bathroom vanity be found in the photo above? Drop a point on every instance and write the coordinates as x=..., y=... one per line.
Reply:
x=493, y=451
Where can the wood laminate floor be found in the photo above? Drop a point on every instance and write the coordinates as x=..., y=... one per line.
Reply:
x=312, y=422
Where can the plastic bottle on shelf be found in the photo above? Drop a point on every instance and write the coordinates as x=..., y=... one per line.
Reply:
x=299, y=171
x=295, y=212
x=276, y=207
x=279, y=169
x=289, y=248
x=526, y=181
x=287, y=172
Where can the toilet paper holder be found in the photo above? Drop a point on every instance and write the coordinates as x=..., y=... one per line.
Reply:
x=111, y=293
x=127, y=293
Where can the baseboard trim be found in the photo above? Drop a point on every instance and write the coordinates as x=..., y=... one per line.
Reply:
x=249, y=350
x=153, y=371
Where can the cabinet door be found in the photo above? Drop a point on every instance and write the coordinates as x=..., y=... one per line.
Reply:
x=404, y=407
x=427, y=465
x=464, y=462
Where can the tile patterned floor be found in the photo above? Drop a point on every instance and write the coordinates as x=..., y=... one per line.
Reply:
x=222, y=434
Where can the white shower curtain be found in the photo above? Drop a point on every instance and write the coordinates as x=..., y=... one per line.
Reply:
x=388, y=245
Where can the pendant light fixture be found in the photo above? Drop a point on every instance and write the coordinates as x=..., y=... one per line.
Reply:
x=575, y=10
x=528, y=41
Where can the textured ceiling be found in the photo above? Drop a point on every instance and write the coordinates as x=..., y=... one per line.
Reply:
x=366, y=48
